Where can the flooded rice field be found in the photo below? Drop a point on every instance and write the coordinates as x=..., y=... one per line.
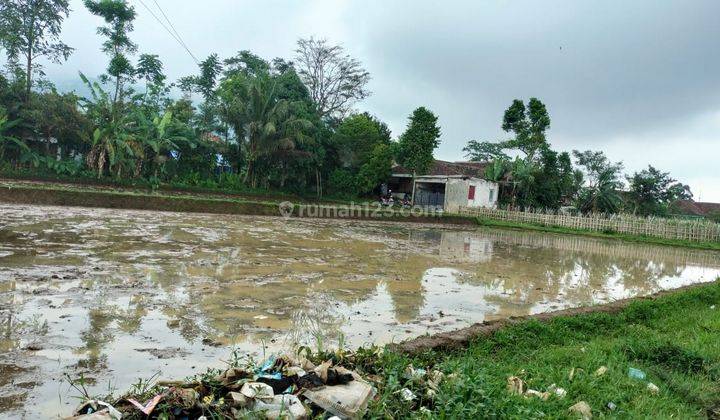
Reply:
x=114, y=295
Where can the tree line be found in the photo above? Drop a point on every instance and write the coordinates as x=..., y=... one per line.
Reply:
x=246, y=122
x=538, y=177
x=242, y=122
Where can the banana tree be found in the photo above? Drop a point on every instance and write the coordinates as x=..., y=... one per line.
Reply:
x=24, y=154
x=161, y=137
x=114, y=141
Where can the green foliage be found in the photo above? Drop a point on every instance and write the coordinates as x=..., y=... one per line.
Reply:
x=8, y=143
x=264, y=122
x=485, y=151
x=342, y=182
x=376, y=170
x=119, y=17
x=528, y=124
x=652, y=191
x=419, y=141
x=601, y=194
x=356, y=139
x=30, y=30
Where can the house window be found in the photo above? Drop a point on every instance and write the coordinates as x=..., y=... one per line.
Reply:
x=491, y=197
x=471, y=193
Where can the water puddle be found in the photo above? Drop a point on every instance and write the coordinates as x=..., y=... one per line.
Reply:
x=115, y=295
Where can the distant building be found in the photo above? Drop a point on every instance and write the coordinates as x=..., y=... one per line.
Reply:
x=447, y=186
x=695, y=208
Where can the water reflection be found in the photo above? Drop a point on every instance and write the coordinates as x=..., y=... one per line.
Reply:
x=121, y=294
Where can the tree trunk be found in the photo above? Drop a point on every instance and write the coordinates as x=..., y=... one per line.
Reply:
x=248, y=172
x=117, y=89
x=28, y=75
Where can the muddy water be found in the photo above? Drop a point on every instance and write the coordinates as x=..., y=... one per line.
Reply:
x=116, y=295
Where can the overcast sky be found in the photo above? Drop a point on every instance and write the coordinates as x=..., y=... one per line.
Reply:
x=639, y=80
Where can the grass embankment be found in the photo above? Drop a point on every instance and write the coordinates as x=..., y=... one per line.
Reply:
x=605, y=235
x=674, y=339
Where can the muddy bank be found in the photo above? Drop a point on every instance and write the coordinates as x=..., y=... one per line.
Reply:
x=458, y=339
x=38, y=195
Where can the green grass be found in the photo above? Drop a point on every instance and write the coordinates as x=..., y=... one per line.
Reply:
x=674, y=339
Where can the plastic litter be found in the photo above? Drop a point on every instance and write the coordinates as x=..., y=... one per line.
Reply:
x=557, y=391
x=583, y=409
x=346, y=401
x=149, y=406
x=277, y=389
x=407, y=394
x=653, y=388
x=414, y=374
x=257, y=390
x=239, y=400
x=611, y=406
x=533, y=393
x=98, y=415
x=322, y=370
x=636, y=374
x=515, y=385
x=284, y=406
x=96, y=409
x=601, y=371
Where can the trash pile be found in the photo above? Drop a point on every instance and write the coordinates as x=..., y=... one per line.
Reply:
x=283, y=387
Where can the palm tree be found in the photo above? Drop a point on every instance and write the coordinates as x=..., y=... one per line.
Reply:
x=263, y=123
x=602, y=195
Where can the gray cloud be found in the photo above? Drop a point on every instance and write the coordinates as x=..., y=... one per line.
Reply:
x=637, y=79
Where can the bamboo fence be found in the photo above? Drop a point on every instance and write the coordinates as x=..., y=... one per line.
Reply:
x=687, y=230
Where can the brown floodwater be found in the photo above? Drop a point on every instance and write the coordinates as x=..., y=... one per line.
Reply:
x=113, y=295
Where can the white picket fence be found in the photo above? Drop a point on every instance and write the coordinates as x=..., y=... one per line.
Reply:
x=689, y=230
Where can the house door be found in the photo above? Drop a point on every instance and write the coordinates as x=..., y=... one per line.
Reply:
x=471, y=193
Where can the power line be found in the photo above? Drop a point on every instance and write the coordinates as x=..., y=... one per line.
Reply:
x=170, y=32
x=182, y=41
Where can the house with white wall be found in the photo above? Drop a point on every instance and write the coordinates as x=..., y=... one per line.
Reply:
x=447, y=186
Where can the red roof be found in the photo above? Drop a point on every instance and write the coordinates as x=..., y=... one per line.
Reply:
x=696, y=208
x=444, y=168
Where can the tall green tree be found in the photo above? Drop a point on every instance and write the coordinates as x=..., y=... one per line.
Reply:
x=528, y=124
x=419, y=141
x=205, y=83
x=119, y=17
x=377, y=169
x=651, y=192
x=356, y=138
x=31, y=29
